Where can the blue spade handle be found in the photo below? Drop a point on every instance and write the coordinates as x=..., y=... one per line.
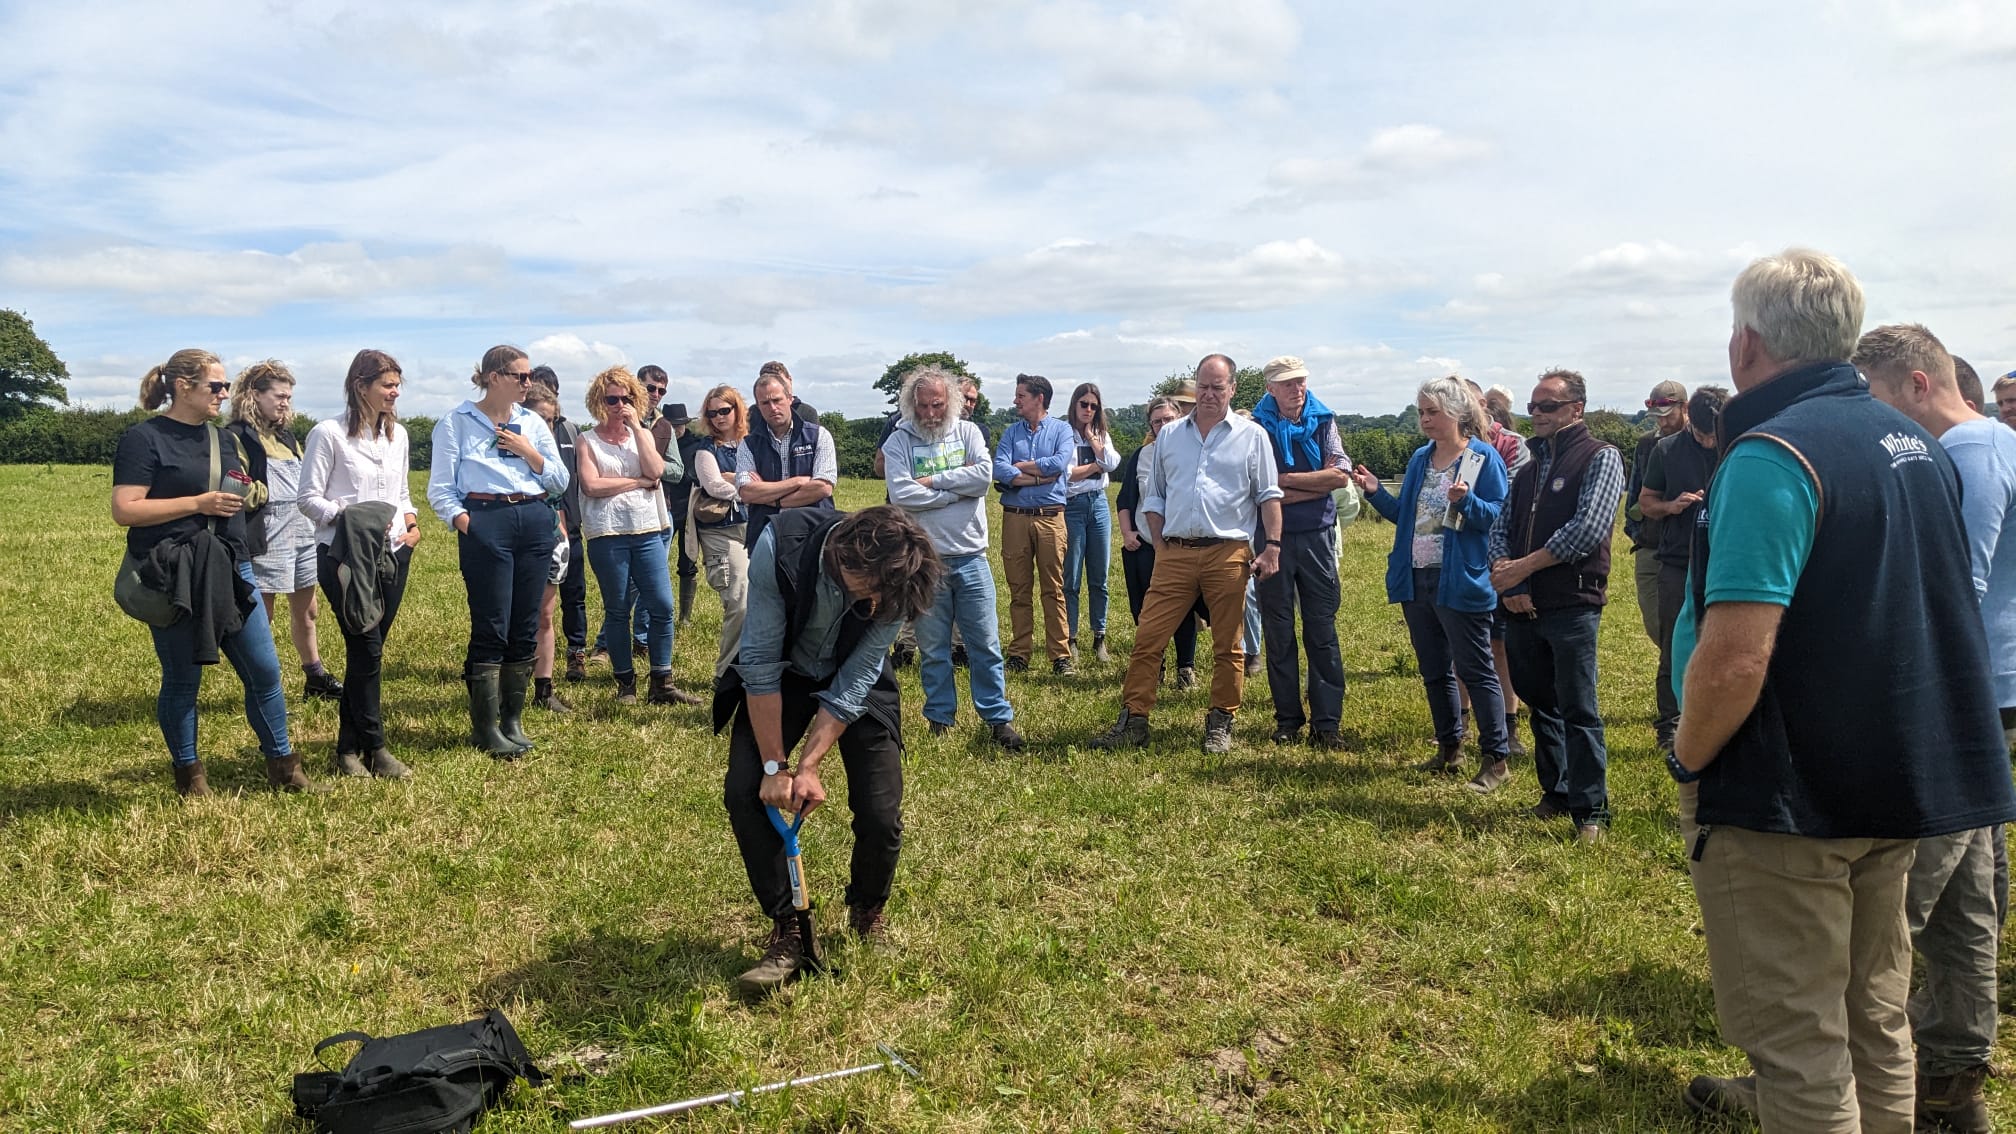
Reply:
x=799, y=898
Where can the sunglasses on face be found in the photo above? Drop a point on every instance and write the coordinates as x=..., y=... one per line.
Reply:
x=721, y=411
x=218, y=387
x=617, y=400
x=1089, y=405
x=1550, y=407
x=519, y=376
x=649, y=389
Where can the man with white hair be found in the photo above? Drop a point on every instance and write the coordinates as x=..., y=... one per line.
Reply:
x=1309, y=464
x=1954, y=899
x=1836, y=706
x=938, y=467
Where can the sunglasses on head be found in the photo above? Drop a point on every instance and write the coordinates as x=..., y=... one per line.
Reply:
x=721, y=411
x=617, y=400
x=1551, y=407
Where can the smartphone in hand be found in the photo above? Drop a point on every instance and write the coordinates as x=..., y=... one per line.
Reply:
x=509, y=427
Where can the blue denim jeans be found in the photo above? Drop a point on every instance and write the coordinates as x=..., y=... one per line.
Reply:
x=623, y=561
x=967, y=596
x=250, y=652
x=1450, y=646
x=1088, y=556
x=1553, y=664
x=1251, y=642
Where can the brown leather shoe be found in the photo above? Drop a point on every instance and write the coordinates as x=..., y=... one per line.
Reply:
x=783, y=960
x=663, y=692
x=285, y=774
x=1490, y=778
x=190, y=780
x=1447, y=761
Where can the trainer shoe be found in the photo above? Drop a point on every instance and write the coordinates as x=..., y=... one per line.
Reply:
x=1186, y=678
x=1016, y=665
x=1129, y=732
x=1218, y=732
x=322, y=687
x=1724, y=1098
x=1062, y=667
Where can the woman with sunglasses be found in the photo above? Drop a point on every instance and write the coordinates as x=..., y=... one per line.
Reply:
x=494, y=465
x=726, y=418
x=163, y=495
x=359, y=458
x=1088, y=522
x=624, y=516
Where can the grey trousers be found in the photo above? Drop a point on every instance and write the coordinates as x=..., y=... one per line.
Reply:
x=1953, y=908
x=1308, y=579
x=1645, y=573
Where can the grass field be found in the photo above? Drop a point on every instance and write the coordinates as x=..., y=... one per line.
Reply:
x=1276, y=939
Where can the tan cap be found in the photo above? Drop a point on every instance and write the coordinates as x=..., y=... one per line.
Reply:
x=1186, y=394
x=1670, y=392
x=1287, y=368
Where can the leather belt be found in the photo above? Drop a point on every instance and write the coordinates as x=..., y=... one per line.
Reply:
x=499, y=498
x=1199, y=541
x=1051, y=510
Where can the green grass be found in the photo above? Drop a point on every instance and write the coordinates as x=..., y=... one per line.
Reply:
x=1274, y=939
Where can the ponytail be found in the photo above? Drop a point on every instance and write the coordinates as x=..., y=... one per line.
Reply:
x=158, y=387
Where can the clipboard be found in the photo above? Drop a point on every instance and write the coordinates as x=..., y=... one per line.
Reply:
x=1467, y=467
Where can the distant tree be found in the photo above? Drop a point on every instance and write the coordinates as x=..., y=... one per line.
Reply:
x=1249, y=386
x=30, y=373
x=1614, y=427
x=891, y=382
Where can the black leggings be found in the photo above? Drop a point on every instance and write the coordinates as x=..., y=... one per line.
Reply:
x=360, y=716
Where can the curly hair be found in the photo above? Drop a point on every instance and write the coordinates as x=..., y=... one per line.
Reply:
x=254, y=380
x=615, y=380
x=886, y=547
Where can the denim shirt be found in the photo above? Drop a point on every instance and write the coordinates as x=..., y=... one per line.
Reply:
x=762, y=664
x=467, y=459
x=1050, y=444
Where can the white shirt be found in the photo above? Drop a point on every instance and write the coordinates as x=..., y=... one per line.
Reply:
x=1107, y=458
x=634, y=512
x=338, y=470
x=1210, y=487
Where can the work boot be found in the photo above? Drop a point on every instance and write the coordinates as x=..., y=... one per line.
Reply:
x=1516, y=747
x=1006, y=736
x=1218, y=732
x=544, y=696
x=349, y=764
x=903, y=656
x=511, y=685
x=626, y=688
x=1724, y=1098
x=663, y=692
x=783, y=960
x=1130, y=731
x=285, y=774
x=385, y=766
x=868, y=923
x=321, y=686
x=190, y=780
x=958, y=656
x=1547, y=809
x=1490, y=778
x=577, y=665
x=686, y=588
x=1099, y=653
x=1954, y=1102
x=484, y=697
x=1329, y=740
x=1186, y=678
x=1448, y=759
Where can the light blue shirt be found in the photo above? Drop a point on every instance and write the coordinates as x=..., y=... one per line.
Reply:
x=1984, y=452
x=763, y=661
x=467, y=459
x=1051, y=445
x=1210, y=487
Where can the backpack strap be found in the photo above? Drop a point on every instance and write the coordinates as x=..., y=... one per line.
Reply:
x=339, y=1037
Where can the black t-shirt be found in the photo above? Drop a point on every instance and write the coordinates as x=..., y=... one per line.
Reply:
x=172, y=459
x=1678, y=464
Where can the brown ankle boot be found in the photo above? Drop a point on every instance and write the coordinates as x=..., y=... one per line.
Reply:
x=1448, y=759
x=285, y=774
x=783, y=960
x=663, y=692
x=1954, y=1102
x=190, y=780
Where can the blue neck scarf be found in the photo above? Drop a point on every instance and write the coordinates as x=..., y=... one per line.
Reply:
x=1296, y=440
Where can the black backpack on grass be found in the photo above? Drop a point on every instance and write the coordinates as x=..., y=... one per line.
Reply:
x=435, y=1081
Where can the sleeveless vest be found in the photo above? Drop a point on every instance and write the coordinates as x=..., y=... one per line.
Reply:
x=763, y=451
x=1539, y=510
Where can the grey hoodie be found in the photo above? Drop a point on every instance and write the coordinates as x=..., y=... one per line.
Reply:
x=954, y=509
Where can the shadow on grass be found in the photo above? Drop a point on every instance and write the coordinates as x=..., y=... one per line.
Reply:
x=1607, y=1093
x=1662, y=1005
x=612, y=982
x=131, y=708
x=60, y=797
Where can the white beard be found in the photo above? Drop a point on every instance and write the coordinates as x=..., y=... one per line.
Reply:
x=933, y=435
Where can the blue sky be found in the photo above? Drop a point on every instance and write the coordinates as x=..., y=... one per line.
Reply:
x=1082, y=189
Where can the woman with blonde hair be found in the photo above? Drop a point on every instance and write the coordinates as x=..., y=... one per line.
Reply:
x=1440, y=570
x=179, y=490
x=281, y=540
x=624, y=516
x=494, y=466
x=356, y=491
x=718, y=516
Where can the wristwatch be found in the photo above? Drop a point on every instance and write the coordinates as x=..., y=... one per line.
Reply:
x=776, y=768
x=1267, y=543
x=1678, y=770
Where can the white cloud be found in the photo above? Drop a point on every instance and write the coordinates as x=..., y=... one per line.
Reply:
x=1186, y=44
x=189, y=282
x=570, y=354
x=1957, y=27
x=1382, y=166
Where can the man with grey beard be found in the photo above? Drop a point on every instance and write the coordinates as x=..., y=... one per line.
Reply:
x=937, y=468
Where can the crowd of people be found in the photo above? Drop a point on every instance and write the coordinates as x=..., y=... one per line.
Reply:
x=1817, y=557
